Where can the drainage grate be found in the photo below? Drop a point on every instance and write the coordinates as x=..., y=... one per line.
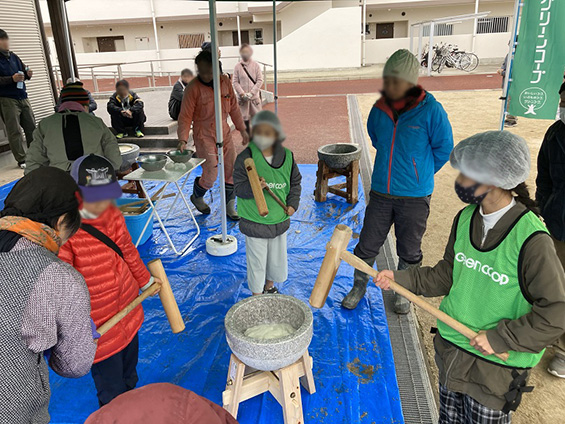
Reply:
x=416, y=393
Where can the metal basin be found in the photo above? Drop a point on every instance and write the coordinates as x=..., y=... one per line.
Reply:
x=152, y=163
x=339, y=155
x=179, y=157
x=274, y=354
x=129, y=153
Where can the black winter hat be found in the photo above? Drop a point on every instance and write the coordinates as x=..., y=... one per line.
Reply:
x=42, y=195
x=3, y=34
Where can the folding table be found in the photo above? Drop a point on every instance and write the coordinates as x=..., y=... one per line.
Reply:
x=165, y=177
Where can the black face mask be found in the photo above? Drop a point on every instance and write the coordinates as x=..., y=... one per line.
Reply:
x=467, y=194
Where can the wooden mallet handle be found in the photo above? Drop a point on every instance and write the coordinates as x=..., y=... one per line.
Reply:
x=256, y=187
x=359, y=264
x=150, y=291
x=167, y=297
x=276, y=198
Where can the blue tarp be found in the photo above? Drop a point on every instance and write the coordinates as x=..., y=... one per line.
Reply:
x=353, y=363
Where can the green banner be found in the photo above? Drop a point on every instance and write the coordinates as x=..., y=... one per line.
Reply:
x=537, y=71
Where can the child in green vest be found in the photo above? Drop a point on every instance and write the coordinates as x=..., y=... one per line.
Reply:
x=265, y=237
x=500, y=276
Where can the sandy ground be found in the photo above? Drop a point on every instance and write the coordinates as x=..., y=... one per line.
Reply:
x=471, y=112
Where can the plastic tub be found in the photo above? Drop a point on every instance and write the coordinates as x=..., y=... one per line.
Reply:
x=136, y=223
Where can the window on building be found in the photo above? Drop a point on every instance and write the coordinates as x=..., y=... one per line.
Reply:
x=439, y=30
x=244, y=38
x=492, y=25
x=258, y=36
x=190, y=41
x=111, y=44
x=385, y=30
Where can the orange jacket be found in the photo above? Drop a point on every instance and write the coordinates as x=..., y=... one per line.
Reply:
x=113, y=282
x=198, y=108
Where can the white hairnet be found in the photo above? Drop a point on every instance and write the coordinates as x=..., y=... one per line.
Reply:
x=497, y=158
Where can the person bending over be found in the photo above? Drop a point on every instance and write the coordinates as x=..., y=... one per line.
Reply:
x=126, y=111
x=197, y=111
x=45, y=307
x=72, y=132
x=500, y=276
x=412, y=135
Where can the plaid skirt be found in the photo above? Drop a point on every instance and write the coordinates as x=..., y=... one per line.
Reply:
x=459, y=408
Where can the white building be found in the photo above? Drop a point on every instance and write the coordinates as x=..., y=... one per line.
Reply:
x=311, y=34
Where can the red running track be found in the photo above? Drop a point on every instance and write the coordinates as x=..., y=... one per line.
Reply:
x=436, y=83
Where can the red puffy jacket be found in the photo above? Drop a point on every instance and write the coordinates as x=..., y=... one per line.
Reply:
x=113, y=282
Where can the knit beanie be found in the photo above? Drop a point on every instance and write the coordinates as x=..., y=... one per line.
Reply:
x=269, y=118
x=402, y=64
x=74, y=92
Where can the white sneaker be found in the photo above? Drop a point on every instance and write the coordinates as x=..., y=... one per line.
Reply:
x=557, y=366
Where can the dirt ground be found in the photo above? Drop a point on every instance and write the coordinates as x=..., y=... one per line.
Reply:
x=471, y=112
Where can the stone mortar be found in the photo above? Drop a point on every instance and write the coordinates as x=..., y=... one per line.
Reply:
x=339, y=155
x=129, y=153
x=269, y=355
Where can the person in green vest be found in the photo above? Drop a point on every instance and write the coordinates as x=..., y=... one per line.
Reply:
x=265, y=237
x=500, y=276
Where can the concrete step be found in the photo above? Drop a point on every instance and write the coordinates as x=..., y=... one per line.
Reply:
x=164, y=141
x=164, y=128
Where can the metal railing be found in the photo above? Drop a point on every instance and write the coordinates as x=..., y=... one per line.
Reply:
x=152, y=75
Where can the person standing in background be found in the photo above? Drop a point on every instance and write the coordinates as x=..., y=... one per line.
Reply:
x=247, y=82
x=550, y=195
x=412, y=135
x=15, y=109
x=175, y=100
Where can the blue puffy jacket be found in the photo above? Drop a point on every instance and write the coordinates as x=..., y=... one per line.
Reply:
x=411, y=150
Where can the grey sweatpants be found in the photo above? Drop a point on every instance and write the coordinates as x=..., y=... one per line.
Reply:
x=409, y=216
x=266, y=260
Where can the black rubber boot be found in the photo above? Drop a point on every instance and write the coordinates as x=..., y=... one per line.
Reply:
x=197, y=198
x=360, y=280
x=231, y=211
x=401, y=304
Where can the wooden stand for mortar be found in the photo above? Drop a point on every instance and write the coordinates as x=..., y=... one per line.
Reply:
x=132, y=187
x=284, y=385
x=325, y=174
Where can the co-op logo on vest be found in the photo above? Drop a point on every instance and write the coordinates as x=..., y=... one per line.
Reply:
x=276, y=186
x=486, y=269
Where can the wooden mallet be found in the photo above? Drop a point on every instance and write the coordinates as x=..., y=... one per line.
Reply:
x=167, y=299
x=336, y=252
x=256, y=187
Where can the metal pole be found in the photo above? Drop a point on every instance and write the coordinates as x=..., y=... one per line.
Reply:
x=275, y=56
x=152, y=73
x=156, y=34
x=364, y=33
x=473, y=44
x=420, y=41
x=67, y=36
x=411, y=40
x=431, y=48
x=218, y=115
x=509, y=63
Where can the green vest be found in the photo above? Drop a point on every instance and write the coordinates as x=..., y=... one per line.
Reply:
x=487, y=286
x=278, y=180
